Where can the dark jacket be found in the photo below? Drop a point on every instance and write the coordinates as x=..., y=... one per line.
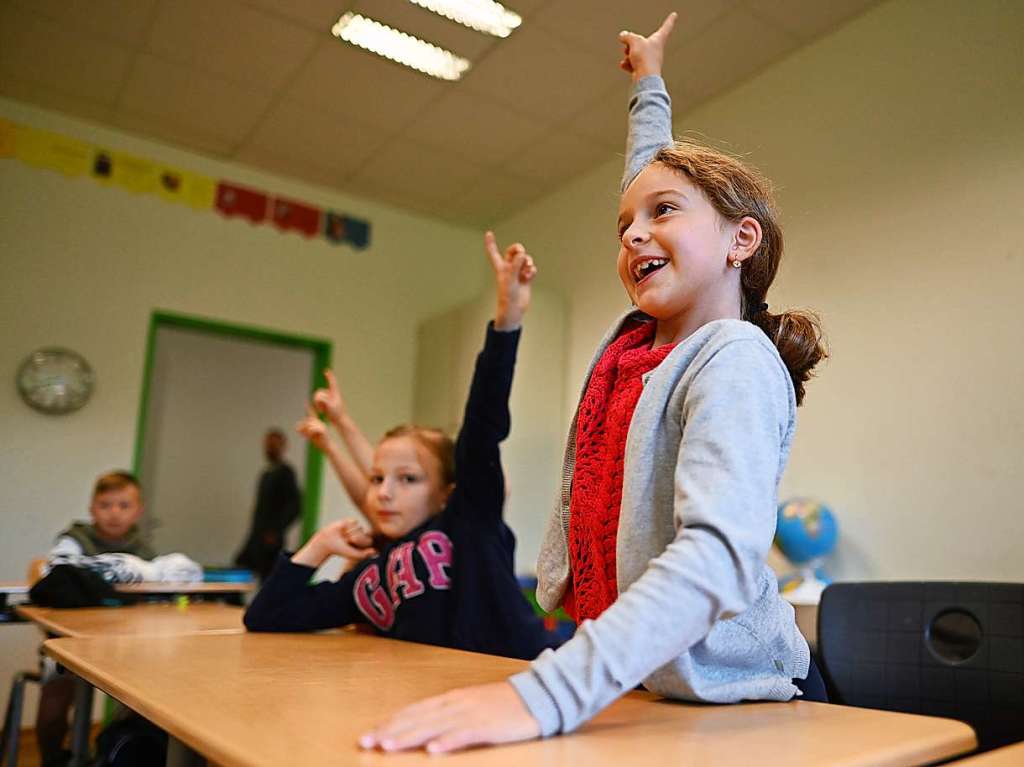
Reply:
x=450, y=582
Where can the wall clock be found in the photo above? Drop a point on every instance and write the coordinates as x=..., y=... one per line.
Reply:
x=55, y=380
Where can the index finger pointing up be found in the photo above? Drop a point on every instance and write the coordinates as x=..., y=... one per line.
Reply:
x=491, y=246
x=666, y=26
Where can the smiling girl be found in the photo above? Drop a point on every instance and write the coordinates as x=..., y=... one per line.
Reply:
x=658, y=542
x=444, y=571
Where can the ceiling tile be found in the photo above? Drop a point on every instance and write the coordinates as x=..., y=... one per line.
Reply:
x=556, y=158
x=732, y=49
x=525, y=73
x=269, y=160
x=404, y=170
x=307, y=136
x=596, y=26
x=114, y=20
x=315, y=15
x=40, y=95
x=471, y=125
x=167, y=130
x=426, y=25
x=492, y=200
x=604, y=119
x=231, y=40
x=34, y=50
x=536, y=109
x=193, y=99
x=525, y=8
x=809, y=19
x=348, y=81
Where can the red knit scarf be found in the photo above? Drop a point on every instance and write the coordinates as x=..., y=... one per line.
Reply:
x=601, y=429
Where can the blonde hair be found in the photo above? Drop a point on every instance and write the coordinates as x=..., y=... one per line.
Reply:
x=737, y=191
x=115, y=480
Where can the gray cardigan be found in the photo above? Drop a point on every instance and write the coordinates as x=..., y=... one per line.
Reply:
x=698, y=615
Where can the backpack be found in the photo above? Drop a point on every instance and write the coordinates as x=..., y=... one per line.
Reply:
x=130, y=741
x=70, y=586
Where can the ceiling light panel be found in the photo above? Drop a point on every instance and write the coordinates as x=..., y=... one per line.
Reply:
x=482, y=15
x=399, y=47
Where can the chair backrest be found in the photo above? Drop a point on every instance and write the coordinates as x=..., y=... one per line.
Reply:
x=937, y=648
x=35, y=570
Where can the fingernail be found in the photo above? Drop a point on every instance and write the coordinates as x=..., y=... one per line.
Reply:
x=433, y=748
x=366, y=741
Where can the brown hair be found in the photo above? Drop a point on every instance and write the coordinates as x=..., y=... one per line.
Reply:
x=737, y=191
x=115, y=480
x=437, y=443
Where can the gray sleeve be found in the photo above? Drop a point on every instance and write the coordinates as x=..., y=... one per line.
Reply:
x=735, y=415
x=650, y=124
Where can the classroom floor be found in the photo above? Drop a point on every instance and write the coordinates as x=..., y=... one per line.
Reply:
x=28, y=751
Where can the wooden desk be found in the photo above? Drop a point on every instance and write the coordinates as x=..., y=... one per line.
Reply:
x=141, y=621
x=1008, y=756
x=150, y=620
x=272, y=699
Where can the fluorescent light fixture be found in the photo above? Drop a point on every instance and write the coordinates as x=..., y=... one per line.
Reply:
x=399, y=47
x=482, y=15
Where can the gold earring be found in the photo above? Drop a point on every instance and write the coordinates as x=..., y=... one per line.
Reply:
x=736, y=263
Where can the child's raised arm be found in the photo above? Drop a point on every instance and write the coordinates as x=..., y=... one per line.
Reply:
x=650, y=108
x=352, y=477
x=486, y=420
x=330, y=403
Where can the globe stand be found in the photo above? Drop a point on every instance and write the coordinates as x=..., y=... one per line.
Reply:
x=809, y=588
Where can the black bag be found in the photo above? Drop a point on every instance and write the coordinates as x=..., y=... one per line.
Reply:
x=130, y=741
x=70, y=586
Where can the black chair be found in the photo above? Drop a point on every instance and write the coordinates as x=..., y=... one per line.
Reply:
x=938, y=648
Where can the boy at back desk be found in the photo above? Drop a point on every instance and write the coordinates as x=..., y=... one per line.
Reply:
x=115, y=509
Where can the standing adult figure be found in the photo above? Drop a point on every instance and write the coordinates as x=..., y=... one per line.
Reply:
x=277, y=506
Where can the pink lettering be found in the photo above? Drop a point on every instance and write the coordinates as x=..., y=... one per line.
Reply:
x=436, y=550
x=402, y=574
x=372, y=600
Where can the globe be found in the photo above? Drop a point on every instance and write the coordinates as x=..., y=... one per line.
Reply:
x=806, y=531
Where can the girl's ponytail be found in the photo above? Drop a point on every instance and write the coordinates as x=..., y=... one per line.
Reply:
x=798, y=337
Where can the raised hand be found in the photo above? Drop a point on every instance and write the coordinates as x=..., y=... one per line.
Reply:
x=313, y=429
x=643, y=56
x=329, y=401
x=513, y=272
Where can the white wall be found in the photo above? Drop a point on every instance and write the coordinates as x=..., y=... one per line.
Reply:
x=212, y=398
x=897, y=144
x=84, y=266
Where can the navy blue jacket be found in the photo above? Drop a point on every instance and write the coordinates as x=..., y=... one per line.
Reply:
x=450, y=582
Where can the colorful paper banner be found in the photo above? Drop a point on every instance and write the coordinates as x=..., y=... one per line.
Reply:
x=339, y=228
x=43, y=149
x=234, y=200
x=289, y=214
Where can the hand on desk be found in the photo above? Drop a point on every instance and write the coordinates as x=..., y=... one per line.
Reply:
x=484, y=715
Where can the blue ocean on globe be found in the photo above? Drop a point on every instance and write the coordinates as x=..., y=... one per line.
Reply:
x=806, y=530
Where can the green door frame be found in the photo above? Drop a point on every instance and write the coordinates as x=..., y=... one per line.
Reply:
x=321, y=360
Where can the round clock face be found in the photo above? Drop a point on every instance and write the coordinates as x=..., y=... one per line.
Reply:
x=55, y=380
